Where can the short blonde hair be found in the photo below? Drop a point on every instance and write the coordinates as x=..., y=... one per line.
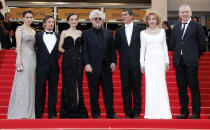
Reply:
x=152, y=12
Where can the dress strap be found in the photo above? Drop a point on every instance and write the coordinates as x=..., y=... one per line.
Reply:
x=21, y=28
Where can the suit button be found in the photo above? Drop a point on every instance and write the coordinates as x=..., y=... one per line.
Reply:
x=182, y=42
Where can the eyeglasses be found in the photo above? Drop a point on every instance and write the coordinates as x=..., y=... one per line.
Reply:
x=97, y=18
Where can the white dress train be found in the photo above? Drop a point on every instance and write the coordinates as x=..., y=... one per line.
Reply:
x=154, y=56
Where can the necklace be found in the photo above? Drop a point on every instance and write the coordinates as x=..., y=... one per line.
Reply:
x=153, y=30
x=72, y=30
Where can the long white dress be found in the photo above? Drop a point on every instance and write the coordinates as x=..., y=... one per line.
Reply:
x=154, y=56
x=22, y=99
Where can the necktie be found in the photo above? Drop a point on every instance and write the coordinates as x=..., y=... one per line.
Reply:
x=49, y=32
x=182, y=31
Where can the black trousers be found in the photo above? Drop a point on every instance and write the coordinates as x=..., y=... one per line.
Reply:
x=131, y=84
x=188, y=75
x=41, y=78
x=94, y=81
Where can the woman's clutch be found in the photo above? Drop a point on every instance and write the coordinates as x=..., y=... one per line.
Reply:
x=20, y=68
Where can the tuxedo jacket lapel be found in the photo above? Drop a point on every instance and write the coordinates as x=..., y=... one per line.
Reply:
x=179, y=32
x=56, y=44
x=124, y=35
x=133, y=33
x=188, y=30
x=42, y=42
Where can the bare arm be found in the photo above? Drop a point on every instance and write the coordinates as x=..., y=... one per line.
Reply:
x=18, y=36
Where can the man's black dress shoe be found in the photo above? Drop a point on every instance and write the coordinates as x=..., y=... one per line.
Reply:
x=51, y=117
x=96, y=117
x=135, y=116
x=195, y=116
x=112, y=117
x=128, y=117
x=182, y=116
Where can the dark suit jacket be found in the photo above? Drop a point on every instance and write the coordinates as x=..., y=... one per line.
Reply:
x=46, y=60
x=93, y=52
x=128, y=54
x=193, y=44
x=12, y=43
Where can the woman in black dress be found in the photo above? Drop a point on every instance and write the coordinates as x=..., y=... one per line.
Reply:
x=72, y=102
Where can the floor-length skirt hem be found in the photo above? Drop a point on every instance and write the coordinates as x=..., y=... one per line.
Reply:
x=158, y=117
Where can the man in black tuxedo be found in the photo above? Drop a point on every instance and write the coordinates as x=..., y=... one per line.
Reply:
x=47, y=68
x=127, y=42
x=99, y=58
x=188, y=42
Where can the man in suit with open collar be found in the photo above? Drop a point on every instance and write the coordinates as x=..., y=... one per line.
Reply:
x=188, y=41
x=127, y=42
x=47, y=68
x=99, y=57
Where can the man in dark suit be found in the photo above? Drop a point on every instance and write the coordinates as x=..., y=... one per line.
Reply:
x=127, y=42
x=12, y=40
x=99, y=58
x=47, y=68
x=188, y=41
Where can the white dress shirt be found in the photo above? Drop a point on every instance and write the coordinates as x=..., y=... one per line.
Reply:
x=128, y=32
x=10, y=39
x=49, y=40
x=186, y=25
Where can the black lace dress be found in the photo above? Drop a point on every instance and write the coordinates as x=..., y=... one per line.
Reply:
x=72, y=101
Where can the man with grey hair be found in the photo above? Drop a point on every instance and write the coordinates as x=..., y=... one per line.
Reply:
x=188, y=42
x=99, y=58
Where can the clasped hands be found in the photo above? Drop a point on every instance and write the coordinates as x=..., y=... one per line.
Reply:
x=88, y=67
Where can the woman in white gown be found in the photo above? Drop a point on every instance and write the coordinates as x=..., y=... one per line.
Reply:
x=154, y=63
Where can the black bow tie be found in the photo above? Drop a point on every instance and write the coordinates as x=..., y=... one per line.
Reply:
x=49, y=32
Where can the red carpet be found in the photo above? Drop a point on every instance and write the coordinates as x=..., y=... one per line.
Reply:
x=7, y=69
x=104, y=124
